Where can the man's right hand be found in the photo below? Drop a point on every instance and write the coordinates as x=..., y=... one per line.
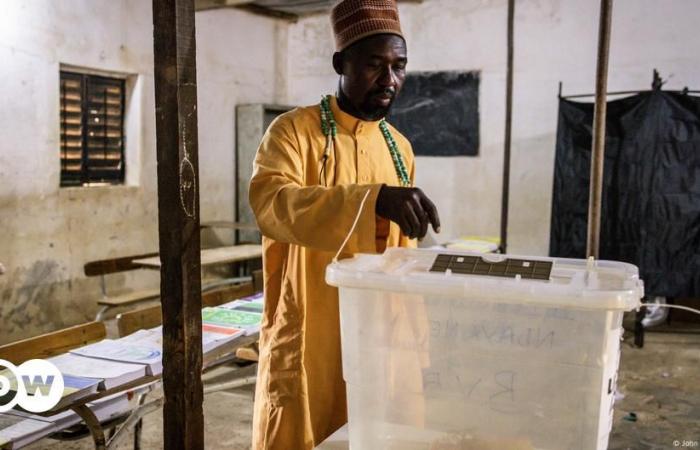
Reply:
x=410, y=208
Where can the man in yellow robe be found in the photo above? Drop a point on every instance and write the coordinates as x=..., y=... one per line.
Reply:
x=306, y=196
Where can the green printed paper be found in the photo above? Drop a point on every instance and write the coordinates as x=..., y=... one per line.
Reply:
x=230, y=318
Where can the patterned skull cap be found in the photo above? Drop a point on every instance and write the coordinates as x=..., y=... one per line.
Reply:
x=353, y=20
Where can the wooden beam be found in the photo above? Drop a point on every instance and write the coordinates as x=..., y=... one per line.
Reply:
x=595, y=196
x=269, y=12
x=203, y=5
x=178, y=219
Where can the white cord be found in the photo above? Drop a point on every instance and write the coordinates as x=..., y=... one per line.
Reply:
x=666, y=305
x=354, y=224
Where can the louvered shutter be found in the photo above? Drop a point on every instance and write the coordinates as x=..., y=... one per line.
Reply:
x=92, y=129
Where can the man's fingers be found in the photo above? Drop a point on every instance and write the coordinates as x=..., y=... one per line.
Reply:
x=423, y=225
x=403, y=222
x=405, y=226
x=432, y=212
x=412, y=219
x=422, y=217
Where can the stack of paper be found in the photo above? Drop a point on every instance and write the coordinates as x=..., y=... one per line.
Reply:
x=74, y=387
x=213, y=339
x=255, y=300
x=258, y=297
x=143, y=347
x=243, y=305
x=221, y=318
x=17, y=431
x=110, y=407
x=109, y=373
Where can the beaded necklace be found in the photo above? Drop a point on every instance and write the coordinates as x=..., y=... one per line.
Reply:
x=330, y=130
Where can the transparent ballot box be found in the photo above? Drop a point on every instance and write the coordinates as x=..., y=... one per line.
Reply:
x=448, y=350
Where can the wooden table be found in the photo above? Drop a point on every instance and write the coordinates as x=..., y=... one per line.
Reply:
x=143, y=386
x=212, y=256
x=230, y=225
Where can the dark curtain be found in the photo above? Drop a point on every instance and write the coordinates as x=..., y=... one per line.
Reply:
x=651, y=187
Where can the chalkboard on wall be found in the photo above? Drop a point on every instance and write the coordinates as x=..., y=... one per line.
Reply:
x=439, y=113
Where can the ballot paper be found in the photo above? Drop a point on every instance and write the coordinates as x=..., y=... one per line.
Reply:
x=74, y=387
x=219, y=319
x=142, y=347
x=109, y=373
x=212, y=339
x=244, y=305
x=255, y=300
x=110, y=407
x=152, y=337
x=258, y=297
x=18, y=431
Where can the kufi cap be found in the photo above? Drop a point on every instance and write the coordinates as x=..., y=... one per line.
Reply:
x=353, y=20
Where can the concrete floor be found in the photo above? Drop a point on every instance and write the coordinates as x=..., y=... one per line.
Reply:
x=660, y=384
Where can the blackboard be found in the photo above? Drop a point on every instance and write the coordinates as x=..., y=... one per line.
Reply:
x=439, y=113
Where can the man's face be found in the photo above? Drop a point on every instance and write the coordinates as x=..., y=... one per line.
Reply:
x=372, y=73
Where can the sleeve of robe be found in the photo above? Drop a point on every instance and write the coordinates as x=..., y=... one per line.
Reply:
x=318, y=217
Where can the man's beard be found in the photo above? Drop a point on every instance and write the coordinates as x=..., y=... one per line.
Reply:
x=376, y=112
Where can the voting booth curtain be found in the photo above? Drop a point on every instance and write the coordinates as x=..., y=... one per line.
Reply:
x=651, y=187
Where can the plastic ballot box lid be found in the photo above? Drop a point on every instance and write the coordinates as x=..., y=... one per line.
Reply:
x=548, y=282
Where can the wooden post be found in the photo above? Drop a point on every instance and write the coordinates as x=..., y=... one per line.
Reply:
x=598, y=151
x=178, y=218
x=505, y=192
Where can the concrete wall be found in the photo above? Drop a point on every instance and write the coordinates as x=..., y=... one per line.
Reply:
x=555, y=41
x=47, y=233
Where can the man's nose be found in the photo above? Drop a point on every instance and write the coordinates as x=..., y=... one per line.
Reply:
x=387, y=78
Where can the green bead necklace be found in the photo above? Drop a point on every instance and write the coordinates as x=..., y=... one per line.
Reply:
x=330, y=130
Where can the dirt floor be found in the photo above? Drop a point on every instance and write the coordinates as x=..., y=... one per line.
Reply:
x=660, y=384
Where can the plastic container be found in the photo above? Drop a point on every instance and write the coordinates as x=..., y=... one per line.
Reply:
x=452, y=361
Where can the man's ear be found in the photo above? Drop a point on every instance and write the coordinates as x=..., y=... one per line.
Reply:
x=338, y=62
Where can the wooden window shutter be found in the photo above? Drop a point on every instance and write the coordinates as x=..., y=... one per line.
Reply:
x=92, y=130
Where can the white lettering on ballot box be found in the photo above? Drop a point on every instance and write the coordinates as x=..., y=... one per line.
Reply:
x=444, y=355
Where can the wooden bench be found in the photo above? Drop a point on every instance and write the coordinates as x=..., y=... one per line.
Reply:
x=54, y=343
x=126, y=263
x=105, y=267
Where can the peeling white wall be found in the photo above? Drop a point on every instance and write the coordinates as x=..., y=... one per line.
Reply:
x=48, y=233
x=555, y=41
